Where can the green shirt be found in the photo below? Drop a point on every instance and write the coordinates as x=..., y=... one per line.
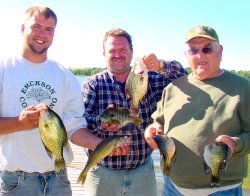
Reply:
x=194, y=113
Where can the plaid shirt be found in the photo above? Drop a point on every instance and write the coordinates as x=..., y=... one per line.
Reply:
x=102, y=89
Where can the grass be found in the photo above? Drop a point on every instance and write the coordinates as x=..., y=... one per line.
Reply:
x=246, y=183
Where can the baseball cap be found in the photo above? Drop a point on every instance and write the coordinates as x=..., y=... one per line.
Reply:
x=202, y=31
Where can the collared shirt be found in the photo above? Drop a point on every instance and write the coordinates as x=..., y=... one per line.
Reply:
x=102, y=89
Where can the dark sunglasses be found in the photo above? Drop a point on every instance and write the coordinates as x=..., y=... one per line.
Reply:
x=208, y=49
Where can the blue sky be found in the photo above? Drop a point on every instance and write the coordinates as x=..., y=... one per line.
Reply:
x=156, y=26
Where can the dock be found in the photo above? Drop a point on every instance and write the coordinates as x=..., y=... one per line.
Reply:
x=74, y=170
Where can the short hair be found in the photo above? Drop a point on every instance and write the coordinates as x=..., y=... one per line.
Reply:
x=43, y=10
x=118, y=32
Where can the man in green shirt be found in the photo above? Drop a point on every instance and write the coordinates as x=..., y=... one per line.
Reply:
x=207, y=106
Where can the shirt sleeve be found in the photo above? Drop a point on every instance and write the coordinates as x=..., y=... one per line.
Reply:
x=89, y=89
x=73, y=113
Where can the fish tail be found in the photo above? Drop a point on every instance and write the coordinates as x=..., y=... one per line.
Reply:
x=59, y=164
x=82, y=177
x=215, y=181
x=137, y=121
x=166, y=170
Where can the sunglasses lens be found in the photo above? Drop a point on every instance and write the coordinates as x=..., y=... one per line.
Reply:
x=207, y=50
x=193, y=51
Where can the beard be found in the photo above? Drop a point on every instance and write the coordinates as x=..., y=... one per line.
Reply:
x=38, y=50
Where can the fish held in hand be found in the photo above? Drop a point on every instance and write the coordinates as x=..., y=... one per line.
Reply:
x=216, y=158
x=136, y=85
x=102, y=150
x=119, y=116
x=53, y=136
x=167, y=152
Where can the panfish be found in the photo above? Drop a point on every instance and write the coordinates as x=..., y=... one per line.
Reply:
x=136, y=85
x=102, y=150
x=53, y=136
x=119, y=116
x=216, y=158
x=167, y=152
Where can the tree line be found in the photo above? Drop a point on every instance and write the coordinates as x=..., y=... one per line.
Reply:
x=92, y=71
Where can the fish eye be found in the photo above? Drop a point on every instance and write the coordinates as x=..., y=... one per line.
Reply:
x=112, y=115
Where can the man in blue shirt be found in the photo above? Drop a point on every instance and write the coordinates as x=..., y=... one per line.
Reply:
x=131, y=169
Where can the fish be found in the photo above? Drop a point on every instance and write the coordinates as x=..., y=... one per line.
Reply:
x=54, y=136
x=101, y=151
x=119, y=116
x=167, y=152
x=216, y=158
x=136, y=85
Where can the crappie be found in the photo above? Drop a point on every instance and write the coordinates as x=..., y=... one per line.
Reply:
x=54, y=136
x=120, y=116
x=216, y=157
x=136, y=85
x=102, y=150
x=167, y=151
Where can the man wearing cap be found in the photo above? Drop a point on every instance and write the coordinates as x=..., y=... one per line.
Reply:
x=209, y=105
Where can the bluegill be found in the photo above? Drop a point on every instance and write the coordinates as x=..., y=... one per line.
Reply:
x=167, y=152
x=102, y=150
x=136, y=85
x=119, y=116
x=216, y=158
x=54, y=136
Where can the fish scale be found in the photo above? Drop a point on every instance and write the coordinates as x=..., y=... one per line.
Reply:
x=216, y=158
x=102, y=150
x=167, y=151
x=136, y=85
x=119, y=116
x=53, y=136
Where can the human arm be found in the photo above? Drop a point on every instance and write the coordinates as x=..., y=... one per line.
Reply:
x=27, y=120
x=172, y=69
x=83, y=137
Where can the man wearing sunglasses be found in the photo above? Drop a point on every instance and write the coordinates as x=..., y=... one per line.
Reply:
x=210, y=105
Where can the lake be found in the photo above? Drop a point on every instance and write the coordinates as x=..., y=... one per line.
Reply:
x=159, y=175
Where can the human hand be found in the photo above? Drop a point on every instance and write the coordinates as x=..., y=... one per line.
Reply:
x=121, y=150
x=29, y=117
x=150, y=132
x=111, y=128
x=151, y=62
x=228, y=141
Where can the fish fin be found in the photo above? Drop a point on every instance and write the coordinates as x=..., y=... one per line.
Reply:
x=82, y=177
x=215, y=181
x=128, y=96
x=59, y=164
x=137, y=121
x=164, y=168
x=174, y=157
x=223, y=166
x=206, y=167
x=67, y=146
x=48, y=151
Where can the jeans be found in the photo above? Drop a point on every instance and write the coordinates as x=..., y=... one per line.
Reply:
x=140, y=181
x=20, y=183
x=170, y=190
x=231, y=192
